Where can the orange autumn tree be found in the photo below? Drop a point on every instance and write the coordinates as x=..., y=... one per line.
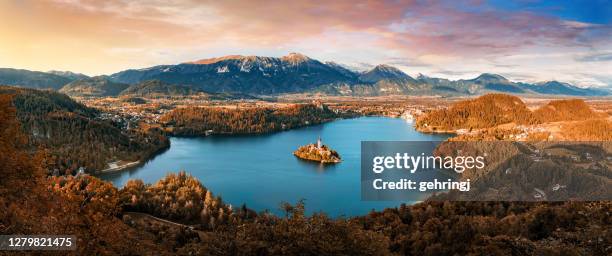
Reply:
x=84, y=207
x=18, y=168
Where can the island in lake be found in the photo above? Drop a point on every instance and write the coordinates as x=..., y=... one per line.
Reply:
x=317, y=152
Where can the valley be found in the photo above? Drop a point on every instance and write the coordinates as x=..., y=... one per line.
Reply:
x=197, y=220
x=146, y=120
x=76, y=138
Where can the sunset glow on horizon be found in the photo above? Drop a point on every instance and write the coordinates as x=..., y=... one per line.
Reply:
x=569, y=41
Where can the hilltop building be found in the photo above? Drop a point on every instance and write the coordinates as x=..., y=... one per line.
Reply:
x=81, y=171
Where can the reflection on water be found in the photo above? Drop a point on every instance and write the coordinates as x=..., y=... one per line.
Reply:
x=262, y=171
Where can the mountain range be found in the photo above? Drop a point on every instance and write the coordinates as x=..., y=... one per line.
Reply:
x=293, y=73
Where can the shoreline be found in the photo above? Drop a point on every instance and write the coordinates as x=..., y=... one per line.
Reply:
x=229, y=134
x=152, y=155
x=313, y=167
x=136, y=163
x=317, y=160
x=119, y=167
x=435, y=131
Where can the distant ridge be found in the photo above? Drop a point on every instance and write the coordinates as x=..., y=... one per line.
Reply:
x=32, y=79
x=98, y=86
x=156, y=88
x=384, y=72
x=67, y=74
x=298, y=73
x=559, y=88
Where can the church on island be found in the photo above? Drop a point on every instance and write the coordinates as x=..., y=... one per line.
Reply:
x=317, y=152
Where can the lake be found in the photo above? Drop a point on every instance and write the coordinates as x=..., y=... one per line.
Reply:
x=261, y=171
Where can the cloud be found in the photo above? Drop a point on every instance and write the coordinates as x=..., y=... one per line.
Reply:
x=445, y=29
x=422, y=27
x=595, y=57
x=454, y=73
x=407, y=62
x=501, y=65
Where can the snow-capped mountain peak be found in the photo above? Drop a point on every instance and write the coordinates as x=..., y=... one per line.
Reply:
x=295, y=58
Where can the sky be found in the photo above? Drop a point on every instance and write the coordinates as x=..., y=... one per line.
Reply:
x=525, y=40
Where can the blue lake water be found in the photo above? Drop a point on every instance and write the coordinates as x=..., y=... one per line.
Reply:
x=262, y=172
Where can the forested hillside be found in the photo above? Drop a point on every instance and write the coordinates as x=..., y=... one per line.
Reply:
x=87, y=207
x=485, y=111
x=156, y=88
x=496, y=109
x=178, y=197
x=31, y=204
x=194, y=121
x=32, y=79
x=72, y=134
x=588, y=130
x=99, y=86
x=565, y=110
